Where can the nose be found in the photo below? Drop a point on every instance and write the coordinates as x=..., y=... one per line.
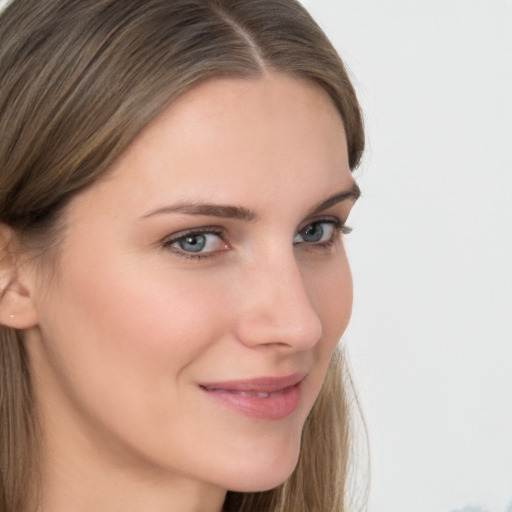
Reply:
x=275, y=308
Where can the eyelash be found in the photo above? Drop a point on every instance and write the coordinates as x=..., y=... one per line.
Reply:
x=214, y=230
x=339, y=229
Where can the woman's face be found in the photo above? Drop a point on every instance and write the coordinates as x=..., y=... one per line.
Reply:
x=200, y=290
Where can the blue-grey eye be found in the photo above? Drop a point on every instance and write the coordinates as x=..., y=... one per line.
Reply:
x=200, y=242
x=321, y=231
x=313, y=232
x=192, y=243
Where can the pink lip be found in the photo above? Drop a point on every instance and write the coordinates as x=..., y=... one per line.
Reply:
x=269, y=398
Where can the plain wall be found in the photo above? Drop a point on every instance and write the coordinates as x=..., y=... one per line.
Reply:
x=431, y=252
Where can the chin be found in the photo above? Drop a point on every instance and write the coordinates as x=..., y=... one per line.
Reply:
x=260, y=483
x=259, y=475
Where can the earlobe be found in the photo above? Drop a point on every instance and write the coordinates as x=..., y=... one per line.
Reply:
x=16, y=305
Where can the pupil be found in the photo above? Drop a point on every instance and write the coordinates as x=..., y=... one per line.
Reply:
x=313, y=233
x=193, y=243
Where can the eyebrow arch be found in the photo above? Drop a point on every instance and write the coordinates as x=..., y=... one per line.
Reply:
x=209, y=210
x=353, y=193
x=246, y=214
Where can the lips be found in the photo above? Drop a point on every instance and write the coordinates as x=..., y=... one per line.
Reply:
x=267, y=398
x=254, y=394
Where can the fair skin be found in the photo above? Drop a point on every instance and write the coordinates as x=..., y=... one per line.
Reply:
x=132, y=324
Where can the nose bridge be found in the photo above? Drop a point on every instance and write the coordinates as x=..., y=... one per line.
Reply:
x=277, y=308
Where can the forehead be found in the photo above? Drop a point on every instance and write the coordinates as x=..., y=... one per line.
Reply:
x=240, y=137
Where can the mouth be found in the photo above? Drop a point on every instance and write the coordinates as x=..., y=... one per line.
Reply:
x=266, y=398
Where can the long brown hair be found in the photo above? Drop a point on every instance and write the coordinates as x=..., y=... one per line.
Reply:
x=79, y=79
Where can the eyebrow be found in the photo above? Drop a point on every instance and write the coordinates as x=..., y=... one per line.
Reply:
x=210, y=210
x=353, y=193
x=246, y=214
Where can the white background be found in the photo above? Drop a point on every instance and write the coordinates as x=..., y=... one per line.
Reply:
x=431, y=336
x=431, y=252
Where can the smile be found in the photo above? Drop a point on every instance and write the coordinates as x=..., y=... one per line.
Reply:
x=267, y=398
x=255, y=394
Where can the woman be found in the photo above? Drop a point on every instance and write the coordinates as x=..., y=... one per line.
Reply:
x=175, y=180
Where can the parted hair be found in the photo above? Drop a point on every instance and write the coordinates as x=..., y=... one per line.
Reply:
x=79, y=80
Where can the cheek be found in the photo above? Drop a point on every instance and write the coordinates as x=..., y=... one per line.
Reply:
x=118, y=336
x=331, y=296
x=331, y=293
x=150, y=314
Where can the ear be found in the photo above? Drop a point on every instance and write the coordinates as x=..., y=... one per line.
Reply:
x=17, y=308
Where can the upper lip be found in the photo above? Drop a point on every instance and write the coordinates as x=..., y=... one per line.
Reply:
x=268, y=384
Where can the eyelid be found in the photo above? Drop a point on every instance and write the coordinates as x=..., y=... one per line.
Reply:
x=331, y=219
x=194, y=231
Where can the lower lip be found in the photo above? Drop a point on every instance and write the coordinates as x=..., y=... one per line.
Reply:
x=265, y=408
